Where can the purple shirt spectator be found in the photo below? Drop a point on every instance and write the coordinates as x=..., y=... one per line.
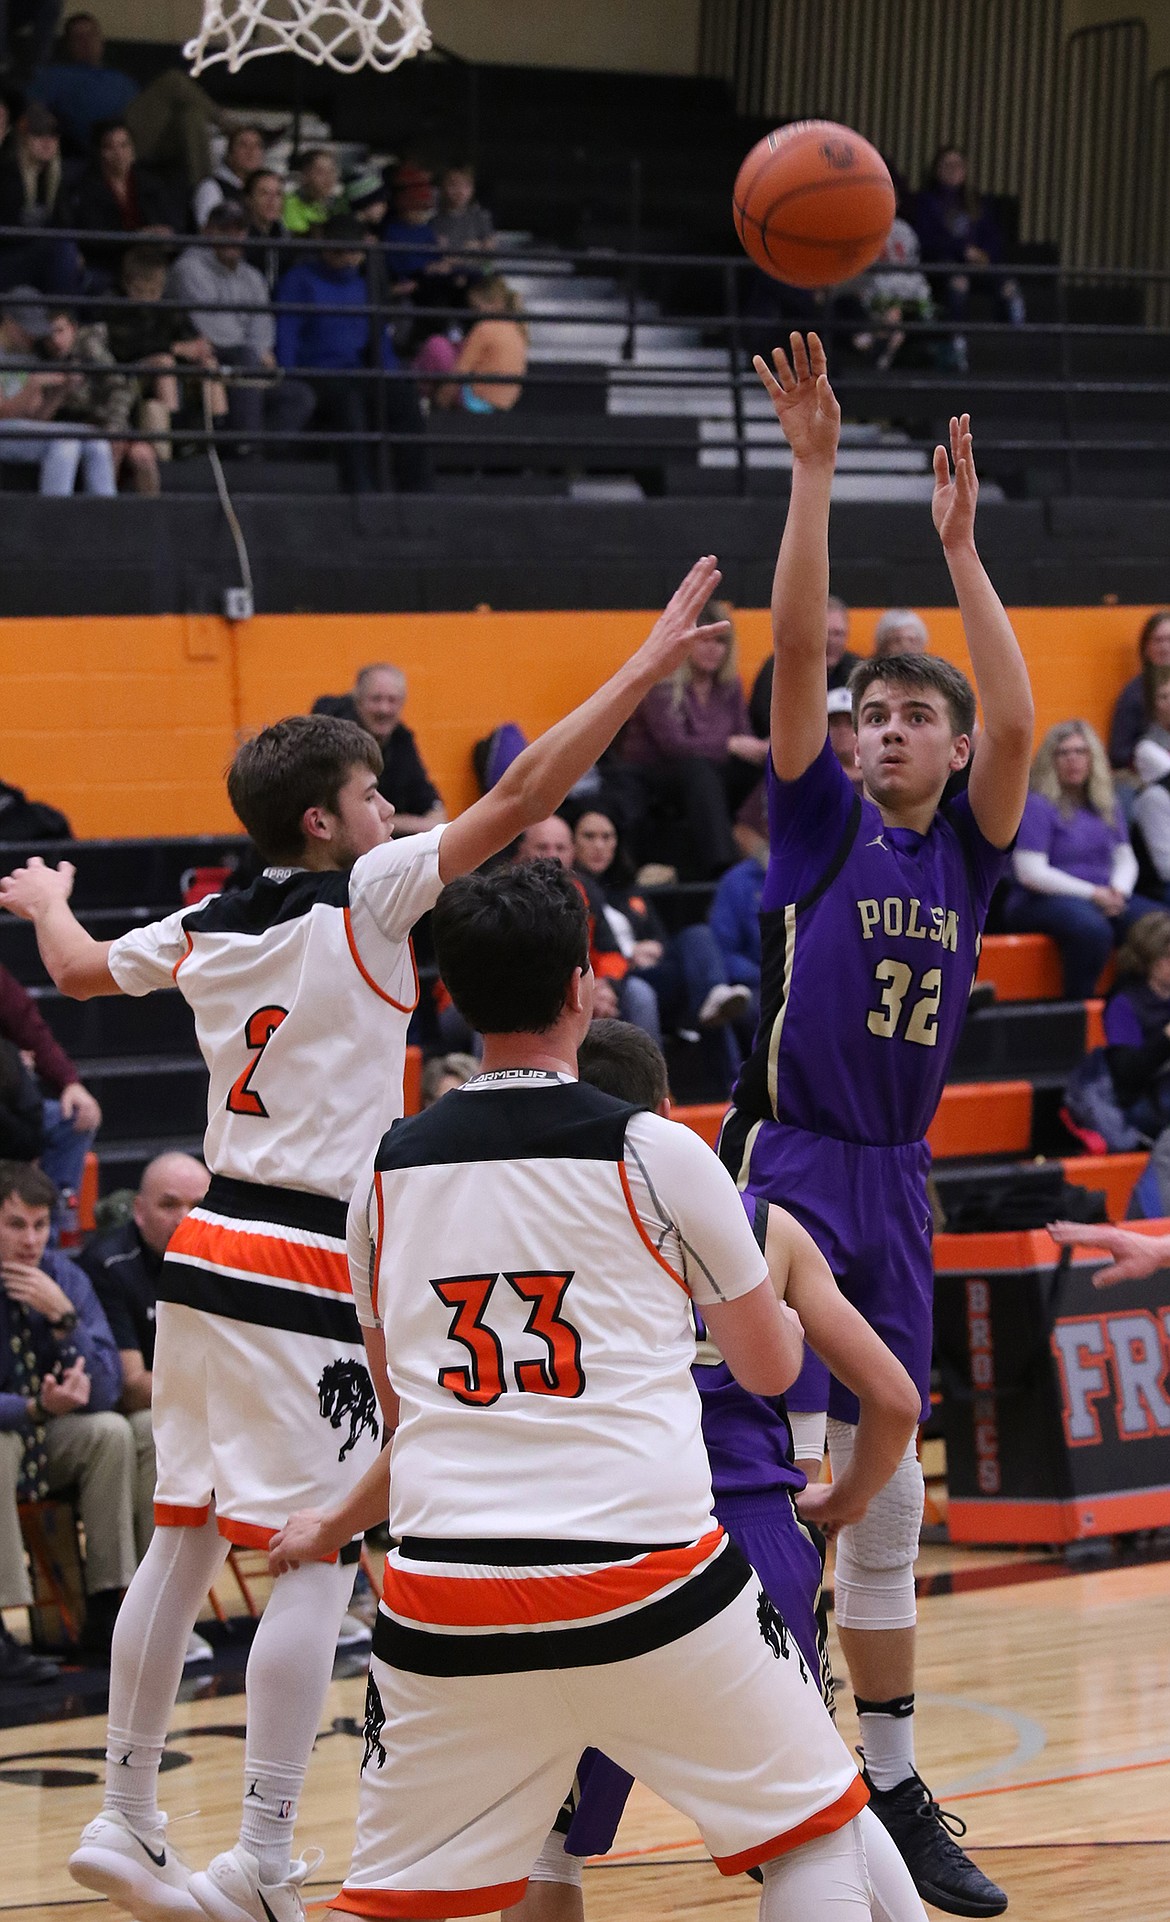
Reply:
x=661, y=727
x=1080, y=843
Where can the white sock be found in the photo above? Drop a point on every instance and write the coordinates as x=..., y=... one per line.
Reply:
x=887, y=1736
x=555, y=1864
x=297, y=1637
x=146, y=1661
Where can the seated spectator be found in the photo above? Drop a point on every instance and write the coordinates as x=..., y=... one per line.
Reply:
x=442, y=1073
x=842, y=734
x=1073, y=867
x=317, y=195
x=957, y=228
x=157, y=342
x=896, y=291
x=1151, y=760
x=264, y=206
x=488, y=369
x=29, y=402
x=367, y=198
x=464, y=229
x=670, y=983
x=244, y=156
x=31, y=196
x=100, y=401
x=328, y=344
x=25, y=820
x=1134, y=710
x=1137, y=1025
x=22, y=1126
x=376, y=703
x=839, y=665
x=900, y=631
x=552, y=840
x=243, y=339
x=114, y=194
x=734, y=920
x=689, y=743
x=59, y=1383
x=124, y=1264
x=70, y=1115
x=411, y=240
x=170, y=119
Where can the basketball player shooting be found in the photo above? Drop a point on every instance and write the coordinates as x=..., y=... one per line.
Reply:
x=302, y=988
x=883, y=895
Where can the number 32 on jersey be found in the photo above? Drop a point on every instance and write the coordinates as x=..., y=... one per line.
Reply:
x=895, y=980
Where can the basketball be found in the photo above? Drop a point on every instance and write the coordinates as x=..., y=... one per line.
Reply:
x=813, y=203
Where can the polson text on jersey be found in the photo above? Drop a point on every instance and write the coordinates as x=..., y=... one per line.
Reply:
x=895, y=916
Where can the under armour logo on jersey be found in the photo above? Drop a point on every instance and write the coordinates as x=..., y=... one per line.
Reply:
x=344, y=1393
x=877, y=842
x=775, y=1632
x=374, y=1724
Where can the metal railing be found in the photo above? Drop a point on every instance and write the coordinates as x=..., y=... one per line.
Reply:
x=1042, y=419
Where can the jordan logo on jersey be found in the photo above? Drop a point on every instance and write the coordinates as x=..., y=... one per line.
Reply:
x=374, y=1724
x=344, y=1394
x=877, y=842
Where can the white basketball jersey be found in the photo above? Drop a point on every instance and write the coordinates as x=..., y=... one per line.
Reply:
x=302, y=988
x=531, y=1248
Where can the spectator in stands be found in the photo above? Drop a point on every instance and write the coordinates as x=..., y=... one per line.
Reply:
x=367, y=198
x=59, y=1382
x=552, y=840
x=25, y=820
x=897, y=291
x=158, y=342
x=264, y=206
x=1073, y=867
x=410, y=236
x=464, y=228
x=116, y=194
x=100, y=397
x=71, y=1117
x=694, y=756
x=22, y=1126
x=669, y=982
x=442, y=1073
x=30, y=196
x=839, y=665
x=244, y=156
x=900, y=631
x=329, y=344
x=376, y=703
x=487, y=370
x=29, y=403
x=317, y=195
x=124, y=1265
x=1151, y=760
x=1137, y=1025
x=27, y=31
x=244, y=339
x=842, y=734
x=1133, y=710
x=957, y=228
x=734, y=920
x=170, y=119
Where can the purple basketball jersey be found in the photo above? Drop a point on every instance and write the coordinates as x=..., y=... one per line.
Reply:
x=870, y=941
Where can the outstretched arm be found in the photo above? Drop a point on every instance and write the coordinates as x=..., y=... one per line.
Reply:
x=76, y=963
x=890, y=1406
x=1132, y=1256
x=539, y=779
x=999, y=773
x=807, y=410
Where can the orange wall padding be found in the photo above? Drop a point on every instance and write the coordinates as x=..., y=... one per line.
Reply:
x=128, y=724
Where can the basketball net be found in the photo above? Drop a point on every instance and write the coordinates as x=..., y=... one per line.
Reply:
x=343, y=34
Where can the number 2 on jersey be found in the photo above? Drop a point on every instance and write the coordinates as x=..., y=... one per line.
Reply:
x=259, y=1029
x=895, y=979
x=483, y=1379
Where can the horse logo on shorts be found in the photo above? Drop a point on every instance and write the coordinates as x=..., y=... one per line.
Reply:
x=344, y=1393
x=775, y=1632
x=374, y=1724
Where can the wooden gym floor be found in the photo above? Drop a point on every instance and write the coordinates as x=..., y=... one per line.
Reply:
x=1044, y=1697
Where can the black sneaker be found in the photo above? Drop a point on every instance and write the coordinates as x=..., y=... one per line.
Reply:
x=19, y=1664
x=924, y=1835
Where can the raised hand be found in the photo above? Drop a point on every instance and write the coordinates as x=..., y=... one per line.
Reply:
x=1134, y=1256
x=955, y=492
x=674, y=632
x=805, y=404
x=29, y=890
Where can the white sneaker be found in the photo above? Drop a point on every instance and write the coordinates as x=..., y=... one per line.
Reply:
x=726, y=1002
x=198, y=1649
x=230, y=1890
x=142, y=1873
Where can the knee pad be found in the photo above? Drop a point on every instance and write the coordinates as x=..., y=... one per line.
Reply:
x=874, y=1579
x=553, y=1864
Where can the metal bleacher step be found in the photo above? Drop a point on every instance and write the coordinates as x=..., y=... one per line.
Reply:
x=113, y=1026
x=18, y=943
x=158, y=1098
